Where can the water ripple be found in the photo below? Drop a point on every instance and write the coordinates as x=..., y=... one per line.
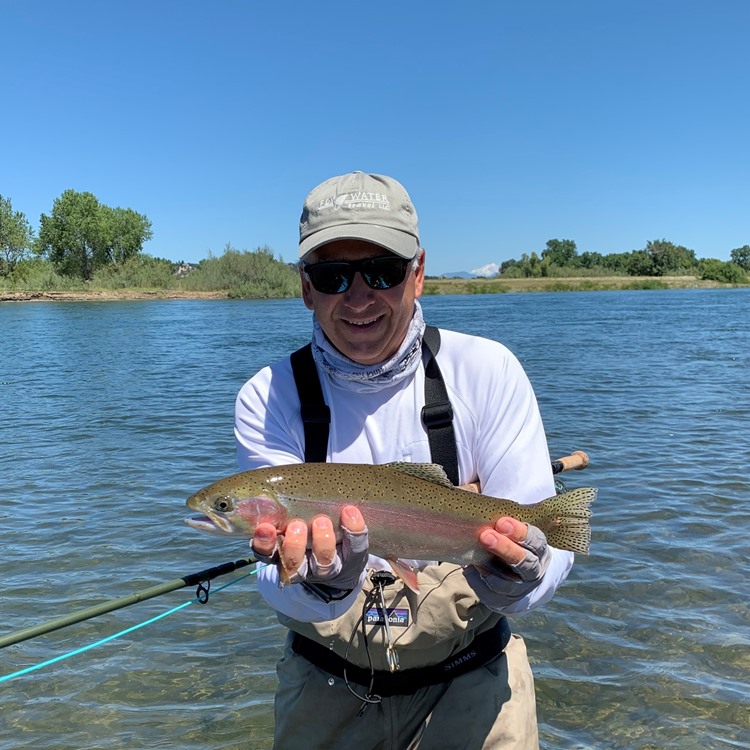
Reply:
x=114, y=413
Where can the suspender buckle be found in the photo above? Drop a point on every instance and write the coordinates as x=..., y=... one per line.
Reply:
x=437, y=415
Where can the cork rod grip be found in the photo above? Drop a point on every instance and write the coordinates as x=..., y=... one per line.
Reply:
x=576, y=460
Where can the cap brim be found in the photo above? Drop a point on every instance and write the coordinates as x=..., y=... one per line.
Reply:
x=402, y=244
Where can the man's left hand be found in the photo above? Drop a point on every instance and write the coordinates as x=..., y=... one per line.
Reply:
x=521, y=560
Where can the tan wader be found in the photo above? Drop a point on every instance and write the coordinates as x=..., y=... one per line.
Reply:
x=491, y=707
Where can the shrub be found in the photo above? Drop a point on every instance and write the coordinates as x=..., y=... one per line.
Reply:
x=725, y=272
x=245, y=275
x=137, y=272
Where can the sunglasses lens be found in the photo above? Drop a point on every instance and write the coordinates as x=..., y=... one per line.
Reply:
x=331, y=278
x=336, y=277
x=384, y=273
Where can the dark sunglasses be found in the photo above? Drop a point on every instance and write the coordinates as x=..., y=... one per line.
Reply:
x=336, y=276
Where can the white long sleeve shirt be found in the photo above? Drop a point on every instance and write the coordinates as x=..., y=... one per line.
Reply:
x=499, y=435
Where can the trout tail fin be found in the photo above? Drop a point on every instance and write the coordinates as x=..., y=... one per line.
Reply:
x=566, y=519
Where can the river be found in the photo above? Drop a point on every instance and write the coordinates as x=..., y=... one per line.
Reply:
x=112, y=413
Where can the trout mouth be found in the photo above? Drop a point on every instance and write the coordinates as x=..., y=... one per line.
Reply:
x=211, y=524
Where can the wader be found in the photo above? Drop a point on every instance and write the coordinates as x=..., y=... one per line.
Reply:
x=468, y=687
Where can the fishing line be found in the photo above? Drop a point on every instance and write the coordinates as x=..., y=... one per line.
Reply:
x=101, y=642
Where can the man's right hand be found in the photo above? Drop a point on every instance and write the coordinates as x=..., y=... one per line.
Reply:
x=317, y=559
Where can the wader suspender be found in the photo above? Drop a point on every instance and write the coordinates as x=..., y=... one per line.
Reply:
x=316, y=416
x=437, y=414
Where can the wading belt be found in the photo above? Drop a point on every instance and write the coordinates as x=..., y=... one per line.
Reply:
x=437, y=413
x=485, y=647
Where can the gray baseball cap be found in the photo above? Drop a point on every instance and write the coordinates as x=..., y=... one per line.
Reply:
x=359, y=206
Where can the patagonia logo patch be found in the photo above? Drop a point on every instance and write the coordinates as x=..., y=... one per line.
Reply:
x=398, y=618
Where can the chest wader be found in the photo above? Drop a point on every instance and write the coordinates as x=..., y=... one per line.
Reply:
x=437, y=418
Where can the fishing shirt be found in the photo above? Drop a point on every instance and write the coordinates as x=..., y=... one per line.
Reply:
x=499, y=437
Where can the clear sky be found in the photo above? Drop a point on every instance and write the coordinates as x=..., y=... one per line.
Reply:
x=608, y=122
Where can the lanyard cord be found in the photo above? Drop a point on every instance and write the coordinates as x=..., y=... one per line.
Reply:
x=380, y=579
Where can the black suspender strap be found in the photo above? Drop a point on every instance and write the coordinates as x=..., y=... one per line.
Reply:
x=437, y=412
x=316, y=416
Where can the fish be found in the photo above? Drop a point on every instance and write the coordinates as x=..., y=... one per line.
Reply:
x=412, y=510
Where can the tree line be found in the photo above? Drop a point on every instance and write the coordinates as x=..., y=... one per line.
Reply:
x=657, y=258
x=79, y=236
x=86, y=240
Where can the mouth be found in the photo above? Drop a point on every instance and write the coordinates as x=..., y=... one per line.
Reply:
x=364, y=325
x=212, y=524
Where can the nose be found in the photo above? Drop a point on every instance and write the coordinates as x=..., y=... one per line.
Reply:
x=359, y=296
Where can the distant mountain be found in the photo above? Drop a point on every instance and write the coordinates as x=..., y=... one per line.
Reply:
x=491, y=269
x=457, y=275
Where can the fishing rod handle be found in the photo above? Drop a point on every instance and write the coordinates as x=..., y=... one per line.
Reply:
x=576, y=460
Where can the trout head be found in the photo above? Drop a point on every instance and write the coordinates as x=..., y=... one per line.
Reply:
x=226, y=512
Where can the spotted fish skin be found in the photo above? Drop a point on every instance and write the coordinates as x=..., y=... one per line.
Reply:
x=411, y=510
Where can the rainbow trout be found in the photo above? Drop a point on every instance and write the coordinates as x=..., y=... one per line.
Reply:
x=411, y=510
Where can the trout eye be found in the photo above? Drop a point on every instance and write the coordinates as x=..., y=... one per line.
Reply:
x=224, y=504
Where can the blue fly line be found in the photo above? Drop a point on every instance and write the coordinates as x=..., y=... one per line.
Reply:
x=77, y=651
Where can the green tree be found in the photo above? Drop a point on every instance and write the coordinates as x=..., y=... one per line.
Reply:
x=560, y=252
x=617, y=262
x=640, y=263
x=82, y=235
x=506, y=265
x=16, y=236
x=74, y=237
x=667, y=257
x=590, y=259
x=127, y=230
x=741, y=256
x=532, y=265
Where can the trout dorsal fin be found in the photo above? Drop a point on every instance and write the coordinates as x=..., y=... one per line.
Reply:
x=429, y=472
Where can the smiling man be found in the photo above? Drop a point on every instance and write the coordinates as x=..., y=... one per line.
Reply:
x=371, y=663
x=368, y=328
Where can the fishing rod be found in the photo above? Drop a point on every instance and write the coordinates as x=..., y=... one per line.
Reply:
x=576, y=461
x=202, y=580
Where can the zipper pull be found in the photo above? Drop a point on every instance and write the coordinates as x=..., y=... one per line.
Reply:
x=390, y=651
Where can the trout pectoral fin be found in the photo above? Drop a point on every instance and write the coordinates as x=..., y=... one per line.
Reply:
x=406, y=573
x=284, y=574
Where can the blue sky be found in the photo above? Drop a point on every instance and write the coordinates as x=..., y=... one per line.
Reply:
x=608, y=122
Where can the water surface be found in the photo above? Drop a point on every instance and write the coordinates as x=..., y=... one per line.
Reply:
x=112, y=413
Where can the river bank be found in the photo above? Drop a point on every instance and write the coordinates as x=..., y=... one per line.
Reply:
x=107, y=295
x=568, y=284
x=437, y=286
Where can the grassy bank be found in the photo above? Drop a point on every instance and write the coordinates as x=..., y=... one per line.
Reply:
x=88, y=292
x=574, y=284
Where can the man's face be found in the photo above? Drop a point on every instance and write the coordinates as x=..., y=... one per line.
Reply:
x=367, y=325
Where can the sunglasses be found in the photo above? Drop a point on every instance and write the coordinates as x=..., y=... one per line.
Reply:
x=336, y=276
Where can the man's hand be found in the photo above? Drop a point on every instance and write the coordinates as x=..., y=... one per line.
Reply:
x=521, y=558
x=509, y=540
x=322, y=561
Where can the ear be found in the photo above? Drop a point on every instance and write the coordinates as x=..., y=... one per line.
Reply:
x=419, y=281
x=306, y=290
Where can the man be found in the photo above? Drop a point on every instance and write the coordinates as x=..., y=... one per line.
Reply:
x=442, y=670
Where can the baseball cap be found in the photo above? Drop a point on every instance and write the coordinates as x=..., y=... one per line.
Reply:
x=360, y=206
